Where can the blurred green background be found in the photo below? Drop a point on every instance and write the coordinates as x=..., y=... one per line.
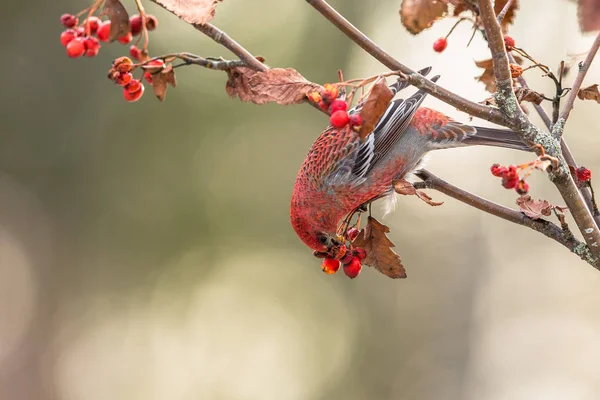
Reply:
x=146, y=251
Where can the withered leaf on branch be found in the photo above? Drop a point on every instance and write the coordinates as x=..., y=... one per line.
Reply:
x=418, y=15
x=191, y=11
x=524, y=94
x=488, y=75
x=534, y=208
x=588, y=12
x=406, y=188
x=374, y=107
x=379, y=251
x=119, y=19
x=279, y=85
x=161, y=79
x=509, y=18
x=589, y=93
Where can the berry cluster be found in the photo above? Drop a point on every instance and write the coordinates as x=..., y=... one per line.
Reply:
x=121, y=74
x=351, y=258
x=84, y=39
x=510, y=178
x=337, y=108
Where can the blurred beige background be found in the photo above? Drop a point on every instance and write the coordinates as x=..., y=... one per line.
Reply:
x=146, y=252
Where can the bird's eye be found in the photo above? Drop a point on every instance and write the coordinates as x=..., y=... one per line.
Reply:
x=322, y=238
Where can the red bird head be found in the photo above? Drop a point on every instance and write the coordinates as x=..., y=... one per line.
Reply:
x=314, y=218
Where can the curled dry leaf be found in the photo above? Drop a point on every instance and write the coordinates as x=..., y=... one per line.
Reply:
x=588, y=12
x=191, y=11
x=379, y=251
x=119, y=19
x=589, y=93
x=418, y=15
x=534, y=208
x=160, y=80
x=524, y=94
x=509, y=18
x=374, y=107
x=279, y=85
x=488, y=75
x=406, y=188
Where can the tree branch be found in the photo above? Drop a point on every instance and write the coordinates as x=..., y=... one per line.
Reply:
x=583, y=69
x=519, y=122
x=547, y=228
x=587, y=194
x=475, y=109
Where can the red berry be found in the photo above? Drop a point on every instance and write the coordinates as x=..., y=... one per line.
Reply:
x=440, y=45
x=126, y=39
x=360, y=253
x=151, y=22
x=347, y=259
x=135, y=52
x=135, y=24
x=92, y=52
x=583, y=174
x=68, y=20
x=134, y=86
x=67, y=36
x=133, y=96
x=148, y=77
x=75, y=48
x=103, y=31
x=330, y=265
x=338, y=105
x=93, y=23
x=509, y=42
x=498, y=170
x=353, y=268
x=123, y=79
x=80, y=31
x=91, y=44
x=356, y=122
x=510, y=182
x=522, y=187
x=352, y=233
x=339, y=119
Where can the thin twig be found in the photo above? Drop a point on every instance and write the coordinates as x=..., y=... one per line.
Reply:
x=219, y=64
x=504, y=11
x=583, y=69
x=430, y=181
x=477, y=110
x=224, y=40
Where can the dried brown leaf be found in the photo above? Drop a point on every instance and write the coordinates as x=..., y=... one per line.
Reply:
x=534, y=208
x=418, y=15
x=588, y=12
x=119, y=19
x=379, y=251
x=524, y=94
x=488, y=75
x=589, y=93
x=279, y=85
x=191, y=11
x=374, y=107
x=509, y=18
x=406, y=188
x=161, y=79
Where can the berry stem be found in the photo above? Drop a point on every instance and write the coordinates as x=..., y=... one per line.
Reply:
x=144, y=34
x=90, y=11
x=456, y=24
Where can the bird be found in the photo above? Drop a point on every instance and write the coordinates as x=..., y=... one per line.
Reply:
x=342, y=172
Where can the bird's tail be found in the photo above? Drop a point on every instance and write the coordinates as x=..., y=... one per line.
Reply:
x=497, y=138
